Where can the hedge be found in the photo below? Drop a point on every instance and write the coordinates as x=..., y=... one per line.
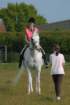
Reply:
x=15, y=41
x=62, y=38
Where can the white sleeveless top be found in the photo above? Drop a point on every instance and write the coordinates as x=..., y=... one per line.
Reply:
x=57, y=63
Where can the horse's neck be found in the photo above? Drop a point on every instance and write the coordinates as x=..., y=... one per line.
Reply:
x=34, y=51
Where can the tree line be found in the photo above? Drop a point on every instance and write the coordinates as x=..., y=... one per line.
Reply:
x=16, y=16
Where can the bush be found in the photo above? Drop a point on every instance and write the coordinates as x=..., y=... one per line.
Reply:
x=62, y=38
x=15, y=42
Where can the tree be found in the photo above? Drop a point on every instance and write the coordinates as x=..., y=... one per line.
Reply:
x=16, y=16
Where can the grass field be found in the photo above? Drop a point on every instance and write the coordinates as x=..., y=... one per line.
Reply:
x=16, y=95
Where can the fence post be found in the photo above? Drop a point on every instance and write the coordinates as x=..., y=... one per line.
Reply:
x=5, y=53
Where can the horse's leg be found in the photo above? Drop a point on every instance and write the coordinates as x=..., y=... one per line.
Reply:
x=30, y=87
x=38, y=90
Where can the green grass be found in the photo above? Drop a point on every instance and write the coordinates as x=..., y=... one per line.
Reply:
x=17, y=95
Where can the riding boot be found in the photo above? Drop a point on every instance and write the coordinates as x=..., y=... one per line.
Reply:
x=22, y=56
x=20, y=61
x=44, y=58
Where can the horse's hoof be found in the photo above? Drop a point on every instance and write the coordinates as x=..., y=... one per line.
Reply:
x=32, y=90
x=39, y=94
x=28, y=93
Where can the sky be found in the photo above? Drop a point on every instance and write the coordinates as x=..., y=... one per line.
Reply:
x=52, y=10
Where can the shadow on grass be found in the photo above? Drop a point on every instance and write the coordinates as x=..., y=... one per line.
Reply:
x=44, y=98
x=4, y=89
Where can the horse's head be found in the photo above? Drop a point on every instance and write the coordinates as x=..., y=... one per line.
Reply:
x=35, y=39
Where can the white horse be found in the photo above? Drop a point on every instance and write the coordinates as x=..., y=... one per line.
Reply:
x=32, y=59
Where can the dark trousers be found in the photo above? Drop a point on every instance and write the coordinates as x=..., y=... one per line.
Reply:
x=57, y=79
